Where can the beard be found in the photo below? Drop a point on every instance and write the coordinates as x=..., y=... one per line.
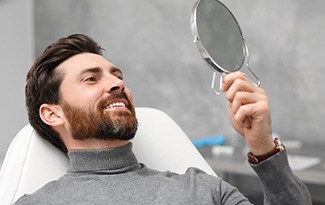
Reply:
x=90, y=123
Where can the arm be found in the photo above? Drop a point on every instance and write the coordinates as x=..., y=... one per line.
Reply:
x=248, y=109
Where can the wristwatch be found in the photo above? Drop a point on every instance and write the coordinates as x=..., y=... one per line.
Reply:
x=259, y=158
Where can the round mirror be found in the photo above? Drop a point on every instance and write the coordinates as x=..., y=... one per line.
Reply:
x=220, y=35
x=219, y=38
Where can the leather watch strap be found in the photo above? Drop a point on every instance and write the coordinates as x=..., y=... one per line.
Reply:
x=259, y=158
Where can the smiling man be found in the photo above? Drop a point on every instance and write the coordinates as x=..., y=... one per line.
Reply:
x=96, y=109
x=77, y=100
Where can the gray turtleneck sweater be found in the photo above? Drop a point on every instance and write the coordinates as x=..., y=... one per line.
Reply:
x=114, y=176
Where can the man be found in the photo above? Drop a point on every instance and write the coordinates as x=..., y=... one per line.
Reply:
x=77, y=100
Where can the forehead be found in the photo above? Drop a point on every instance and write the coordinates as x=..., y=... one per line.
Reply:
x=77, y=63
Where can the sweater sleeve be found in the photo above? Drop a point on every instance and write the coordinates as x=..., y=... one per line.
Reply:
x=280, y=184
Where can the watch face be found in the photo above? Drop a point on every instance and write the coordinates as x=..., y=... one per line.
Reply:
x=278, y=144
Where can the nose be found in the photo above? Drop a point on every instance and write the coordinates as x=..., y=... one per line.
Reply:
x=115, y=85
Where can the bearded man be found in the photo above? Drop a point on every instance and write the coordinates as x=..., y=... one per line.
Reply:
x=77, y=100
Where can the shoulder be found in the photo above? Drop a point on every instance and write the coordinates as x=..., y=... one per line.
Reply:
x=192, y=178
x=195, y=180
x=201, y=177
x=41, y=196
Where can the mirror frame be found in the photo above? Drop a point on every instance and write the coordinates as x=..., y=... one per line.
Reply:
x=204, y=53
x=206, y=56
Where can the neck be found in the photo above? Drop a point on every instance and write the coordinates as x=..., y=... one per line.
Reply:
x=104, y=161
x=93, y=144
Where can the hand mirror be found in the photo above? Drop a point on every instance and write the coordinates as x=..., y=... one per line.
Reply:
x=219, y=39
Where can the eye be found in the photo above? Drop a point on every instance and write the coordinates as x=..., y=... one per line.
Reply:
x=119, y=76
x=117, y=73
x=90, y=79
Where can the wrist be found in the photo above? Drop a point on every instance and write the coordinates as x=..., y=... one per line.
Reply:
x=257, y=158
x=261, y=147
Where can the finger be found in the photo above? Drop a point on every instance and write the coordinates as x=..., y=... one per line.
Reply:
x=237, y=126
x=243, y=98
x=248, y=122
x=254, y=110
x=237, y=86
x=231, y=77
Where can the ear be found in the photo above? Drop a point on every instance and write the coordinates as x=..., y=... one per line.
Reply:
x=51, y=115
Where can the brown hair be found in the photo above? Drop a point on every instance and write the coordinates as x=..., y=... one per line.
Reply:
x=43, y=82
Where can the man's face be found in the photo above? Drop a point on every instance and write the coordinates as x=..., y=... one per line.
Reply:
x=94, y=100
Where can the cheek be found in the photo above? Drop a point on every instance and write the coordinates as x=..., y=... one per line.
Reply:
x=81, y=97
x=130, y=98
x=129, y=95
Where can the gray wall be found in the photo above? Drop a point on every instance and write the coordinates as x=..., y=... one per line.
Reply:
x=151, y=40
x=16, y=56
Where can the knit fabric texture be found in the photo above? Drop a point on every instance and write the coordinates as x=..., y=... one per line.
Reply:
x=114, y=176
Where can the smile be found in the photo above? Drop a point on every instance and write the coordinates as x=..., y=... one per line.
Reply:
x=115, y=105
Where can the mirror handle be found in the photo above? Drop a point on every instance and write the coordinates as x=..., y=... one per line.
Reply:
x=248, y=120
x=258, y=82
x=217, y=92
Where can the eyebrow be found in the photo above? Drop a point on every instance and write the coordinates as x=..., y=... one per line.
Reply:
x=90, y=70
x=116, y=69
x=99, y=70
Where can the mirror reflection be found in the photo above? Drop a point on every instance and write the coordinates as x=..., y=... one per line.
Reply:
x=219, y=39
x=220, y=35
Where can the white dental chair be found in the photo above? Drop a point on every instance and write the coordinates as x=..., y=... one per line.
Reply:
x=31, y=161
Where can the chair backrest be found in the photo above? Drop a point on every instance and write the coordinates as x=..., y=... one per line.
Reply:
x=31, y=161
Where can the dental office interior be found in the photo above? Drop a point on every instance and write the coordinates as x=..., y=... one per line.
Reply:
x=153, y=44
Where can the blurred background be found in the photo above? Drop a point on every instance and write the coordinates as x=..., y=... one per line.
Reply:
x=151, y=41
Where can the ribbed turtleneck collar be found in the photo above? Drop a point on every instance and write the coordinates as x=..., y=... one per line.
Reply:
x=109, y=161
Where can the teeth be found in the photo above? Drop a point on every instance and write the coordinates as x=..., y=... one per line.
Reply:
x=116, y=104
